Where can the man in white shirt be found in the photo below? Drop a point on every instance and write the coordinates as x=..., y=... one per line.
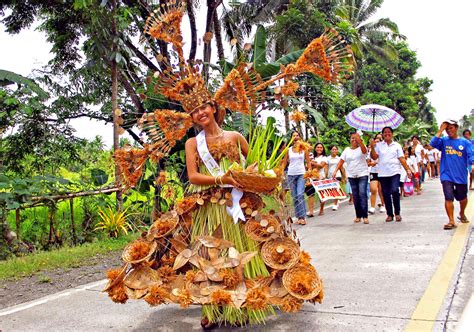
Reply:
x=390, y=156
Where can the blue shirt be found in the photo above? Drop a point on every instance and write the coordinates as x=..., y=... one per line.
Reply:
x=456, y=156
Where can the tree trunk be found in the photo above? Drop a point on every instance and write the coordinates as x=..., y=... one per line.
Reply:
x=192, y=25
x=115, y=104
x=73, y=225
x=52, y=231
x=218, y=34
x=17, y=224
x=211, y=7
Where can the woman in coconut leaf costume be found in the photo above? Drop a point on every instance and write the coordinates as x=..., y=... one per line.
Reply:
x=218, y=247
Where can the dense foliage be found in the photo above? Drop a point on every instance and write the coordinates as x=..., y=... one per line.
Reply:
x=41, y=155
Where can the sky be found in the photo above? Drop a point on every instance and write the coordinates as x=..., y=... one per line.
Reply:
x=441, y=33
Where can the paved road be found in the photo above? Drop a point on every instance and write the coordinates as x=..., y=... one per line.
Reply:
x=374, y=277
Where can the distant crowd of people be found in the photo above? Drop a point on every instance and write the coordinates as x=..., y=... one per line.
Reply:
x=384, y=169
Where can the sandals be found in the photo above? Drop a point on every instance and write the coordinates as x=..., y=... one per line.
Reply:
x=398, y=218
x=356, y=220
x=300, y=222
x=449, y=226
x=366, y=220
x=389, y=219
x=464, y=220
x=310, y=215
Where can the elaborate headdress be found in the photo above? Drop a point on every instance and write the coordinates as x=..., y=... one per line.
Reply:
x=243, y=90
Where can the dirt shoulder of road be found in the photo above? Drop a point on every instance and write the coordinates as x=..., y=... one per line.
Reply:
x=44, y=283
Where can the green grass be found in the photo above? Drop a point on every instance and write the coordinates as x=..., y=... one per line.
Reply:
x=64, y=258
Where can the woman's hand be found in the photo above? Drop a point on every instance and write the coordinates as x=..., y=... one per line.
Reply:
x=409, y=173
x=228, y=179
x=334, y=174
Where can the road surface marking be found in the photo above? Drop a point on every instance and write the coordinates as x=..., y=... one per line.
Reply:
x=49, y=298
x=426, y=312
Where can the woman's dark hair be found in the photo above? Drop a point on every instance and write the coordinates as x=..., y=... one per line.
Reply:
x=414, y=136
x=466, y=131
x=410, y=151
x=387, y=127
x=333, y=146
x=324, y=149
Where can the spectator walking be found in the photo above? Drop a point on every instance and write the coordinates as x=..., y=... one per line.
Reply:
x=456, y=155
x=420, y=155
x=319, y=163
x=390, y=155
x=374, y=183
x=333, y=159
x=296, y=169
x=467, y=135
x=412, y=162
x=357, y=170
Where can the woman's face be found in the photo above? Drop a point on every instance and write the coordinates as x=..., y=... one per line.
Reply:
x=353, y=141
x=295, y=136
x=387, y=134
x=406, y=154
x=319, y=150
x=203, y=115
x=334, y=151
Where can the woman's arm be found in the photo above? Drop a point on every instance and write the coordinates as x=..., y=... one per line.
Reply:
x=308, y=161
x=201, y=179
x=339, y=165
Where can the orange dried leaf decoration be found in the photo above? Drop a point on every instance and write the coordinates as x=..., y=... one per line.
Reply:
x=117, y=291
x=230, y=279
x=301, y=146
x=190, y=275
x=184, y=298
x=302, y=283
x=165, y=24
x=314, y=60
x=161, y=179
x=221, y=297
x=291, y=304
x=290, y=88
x=113, y=274
x=298, y=116
x=167, y=274
x=138, y=250
x=156, y=295
x=305, y=258
x=239, y=92
x=130, y=162
x=257, y=299
x=186, y=205
x=281, y=257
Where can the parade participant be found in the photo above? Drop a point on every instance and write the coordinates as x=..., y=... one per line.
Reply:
x=295, y=159
x=467, y=135
x=354, y=157
x=318, y=163
x=333, y=160
x=420, y=156
x=390, y=156
x=456, y=156
x=412, y=162
x=215, y=246
x=375, y=187
x=431, y=160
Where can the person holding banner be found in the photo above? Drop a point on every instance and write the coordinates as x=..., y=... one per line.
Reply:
x=390, y=156
x=318, y=163
x=357, y=170
x=333, y=160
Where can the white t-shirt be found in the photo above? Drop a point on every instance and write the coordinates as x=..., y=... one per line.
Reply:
x=431, y=157
x=389, y=164
x=437, y=153
x=320, y=160
x=426, y=152
x=332, y=163
x=403, y=175
x=413, y=163
x=418, y=150
x=356, y=164
x=295, y=163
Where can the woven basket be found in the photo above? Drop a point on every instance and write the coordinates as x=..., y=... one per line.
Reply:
x=129, y=249
x=290, y=278
x=156, y=230
x=286, y=245
x=255, y=182
x=258, y=231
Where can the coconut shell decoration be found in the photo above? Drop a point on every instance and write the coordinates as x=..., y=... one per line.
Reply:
x=280, y=253
x=164, y=225
x=138, y=280
x=267, y=228
x=302, y=282
x=138, y=251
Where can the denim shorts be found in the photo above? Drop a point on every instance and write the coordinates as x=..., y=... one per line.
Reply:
x=453, y=191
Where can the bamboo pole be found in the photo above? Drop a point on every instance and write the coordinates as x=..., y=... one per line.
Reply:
x=17, y=223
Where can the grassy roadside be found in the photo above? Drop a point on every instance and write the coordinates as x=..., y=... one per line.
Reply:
x=62, y=258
